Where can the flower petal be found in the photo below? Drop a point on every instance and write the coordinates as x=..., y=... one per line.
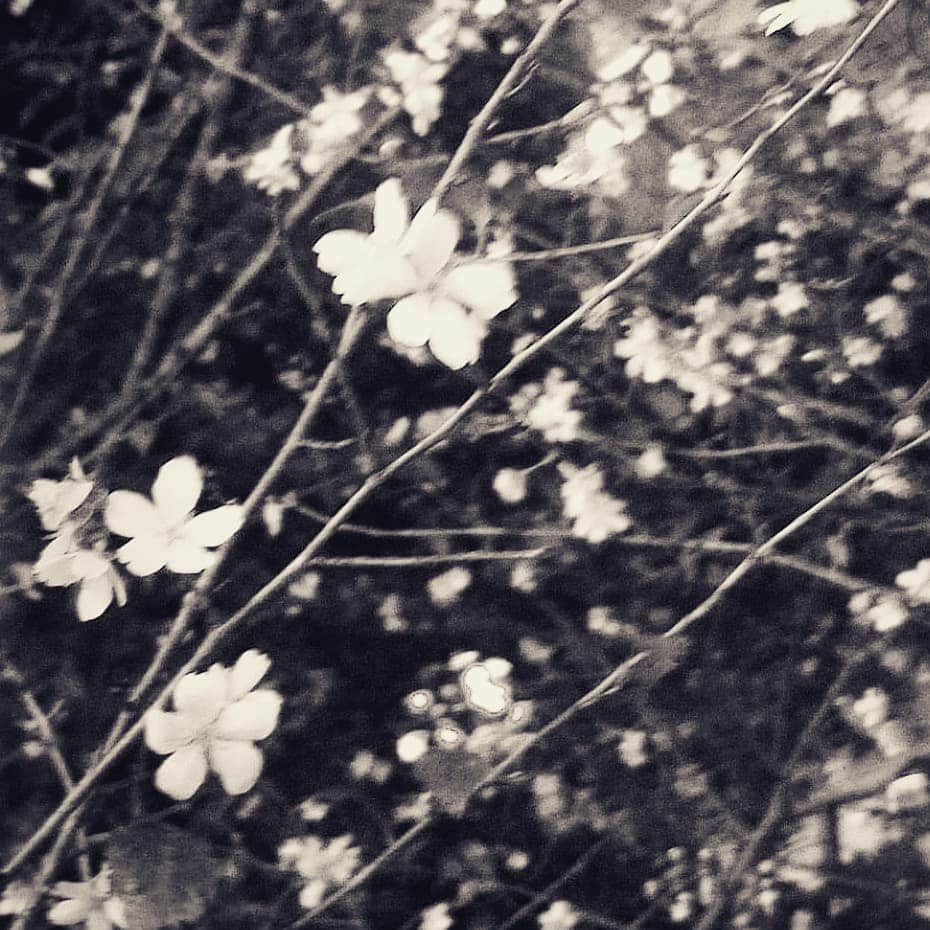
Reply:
x=167, y=732
x=485, y=287
x=202, y=695
x=185, y=558
x=213, y=527
x=456, y=336
x=249, y=670
x=252, y=717
x=410, y=320
x=67, y=913
x=183, y=772
x=55, y=565
x=431, y=240
x=94, y=596
x=144, y=555
x=237, y=762
x=340, y=250
x=391, y=212
x=177, y=489
x=130, y=514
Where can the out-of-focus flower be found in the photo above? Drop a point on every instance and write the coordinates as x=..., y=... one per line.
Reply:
x=861, y=832
x=560, y=915
x=436, y=917
x=888, y=314
x=510, y=485
x=882, y=611
x=313, y=811
x=848, y=103
x=687, y=169
x=908, y=792
x=163, y=530
x=547, y=407
x=57, y=500
x=915, y=582
x=271, y=169
x=418, y=79
x=217, y=719
x=870, y=709
x=908, y=427
x=632, y=748
x=445, y=589
x=486, y=687
x=64, y=562
x=591, y=158
x=488, y=9
x=599, y=620
x=89, y=903
x=861, y=351
x=595, y=515
x=651, y=463
x=889, y=479
x=413, y=745
x=806, y=16
x=790, y=299
x=16, y=898
x=322, y=864
x=333, y=122
x=366, y=765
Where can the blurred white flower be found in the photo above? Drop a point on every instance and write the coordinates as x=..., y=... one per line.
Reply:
x=322, y=864
x=889, y=479
x=56, y=500
x=90, y=903
x=871, y=708
x=633, y=748
x=908, y=793
x=595, y=515
x=163, y=530
x=861, y=351
x=790, y=299
x=651, y=463
x=413, y=745
x=488, y=9
x=687, y=170
x=861, y=833
x=217, y=719
x=445, y=589
x=333, y=122
x=64, y=562
x=510, y=485
x=888, y=314
x=806, y=16
x=486, y=688
x=436, y=917
x=560, y=915
x=271, y=169
x=16, y=898
x=547, y=407
x=366, y=765
x=908, y=428
x=418, y=79
x=915, y=582
x=846, y=104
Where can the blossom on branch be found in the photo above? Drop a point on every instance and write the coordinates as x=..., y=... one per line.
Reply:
x=218, y=716
x=89, y=903
x=163, y=530
x=322, y=864
x=806, y=16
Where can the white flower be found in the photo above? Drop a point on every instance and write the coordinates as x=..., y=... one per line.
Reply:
x=418, y=78
x=790, y=299
x=446, y=308
x=560, y=915
x=413, y=745
x=633, y=748
x=271, y=169
x=547, y=407
x=56, y=500
x=871, y=708
x=64, y=562
x=651, y=463
x=322, y=864
x=907, y=792
x=687, y=170
x=916, y=582
x=888, y=314
x=510, y=485
x=163, y=531
x=486, y=688
x=846, y=104
x=595, y=515
x=333, y=121
x=861, y=832
x=805, y=16
x=218, y=716
x=445, y=589
x=17, y=897
x=861, y=351
x=488, y=9
x=88, y=903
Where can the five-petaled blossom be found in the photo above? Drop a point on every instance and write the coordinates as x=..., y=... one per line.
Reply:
x=164, y=531
x=89, y=903
x=446, y=306
x=322, y=864
x=218, y=716
x=56, y=500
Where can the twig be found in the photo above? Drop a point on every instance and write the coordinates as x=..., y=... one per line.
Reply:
x=481, y=122
x=127, y=123
x=545, y=255
x=220, y=62
x=425, y=561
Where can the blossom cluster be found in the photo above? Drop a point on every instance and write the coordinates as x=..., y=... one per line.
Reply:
x=162, y=532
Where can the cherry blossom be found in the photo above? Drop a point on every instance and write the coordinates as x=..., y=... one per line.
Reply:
x=217, y=719
x=164, y=531
x=445, y=307
x=55, y=500
x=64, y=562
x=806, y=16
x=322, y=864
x=89, y=903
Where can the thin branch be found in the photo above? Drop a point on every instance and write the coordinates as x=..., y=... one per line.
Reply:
x=480, y=123
x=219, y=62
x=127, y=123
x=425, y=561
x=567, y=251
